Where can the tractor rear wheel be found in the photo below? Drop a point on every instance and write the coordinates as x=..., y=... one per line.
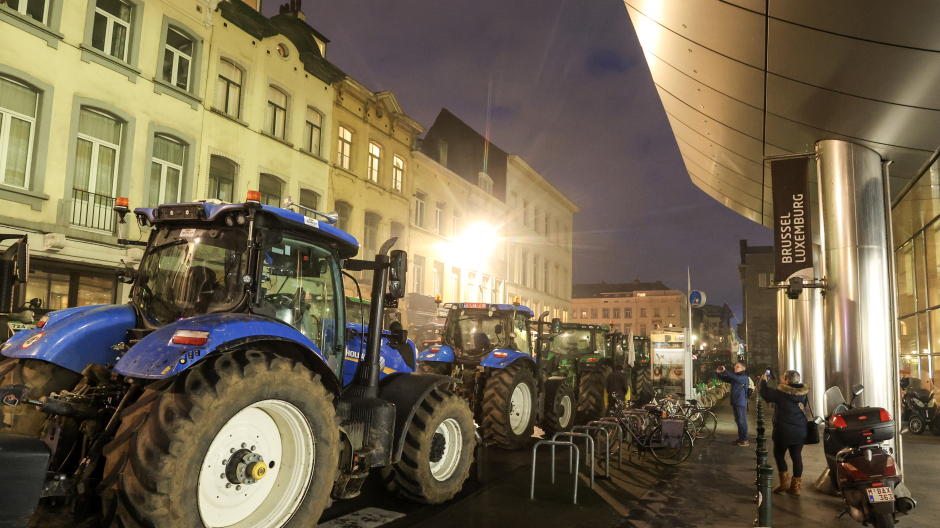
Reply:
x=437, y=452
x=559, y=414
x=642, y=383
x=508, y=407
x=42, y=378
x=242, y=439
x=593, y=388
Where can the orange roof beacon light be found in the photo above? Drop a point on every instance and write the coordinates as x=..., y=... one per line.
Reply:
x=254, y=197
x=122, y=202
x=121, y=207
x=438, y=299
x=516, y=301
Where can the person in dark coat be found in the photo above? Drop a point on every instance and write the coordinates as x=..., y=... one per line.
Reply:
x=789, y=399
x=618, y=384
x=739, y=384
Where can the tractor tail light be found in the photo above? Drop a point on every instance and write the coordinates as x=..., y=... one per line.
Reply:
x=190, y=337
x=500, y=354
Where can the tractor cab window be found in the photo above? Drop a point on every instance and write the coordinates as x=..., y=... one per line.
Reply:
x=477, y=332
x=601, y=341
x=520, y=328
x=298, y=286
x=572, y=343
x=190, y=272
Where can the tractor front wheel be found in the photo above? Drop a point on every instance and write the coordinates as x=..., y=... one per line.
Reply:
x=242, y=439
x=437, y=452
x=508, y=413
x=559, y=416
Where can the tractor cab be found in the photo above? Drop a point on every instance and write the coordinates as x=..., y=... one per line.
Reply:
x=481, y=333
x=579, y=354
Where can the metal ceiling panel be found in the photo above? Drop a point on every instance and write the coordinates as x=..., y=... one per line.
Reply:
x=732, y=78
x=865, y=69
x=757, y=6
x=745, y=145
x=746, y=212
x=718, y=106
x=720, y=27
x=743, y=183
x=721, y=154
x=849, y=116
x=911, y=23
x=723, y=187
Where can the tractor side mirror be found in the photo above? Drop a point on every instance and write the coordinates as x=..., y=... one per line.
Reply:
x=556, y=326
x=397, y=273
x=498, y=329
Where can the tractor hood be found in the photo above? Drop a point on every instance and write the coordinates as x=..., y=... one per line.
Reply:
x=75, y=337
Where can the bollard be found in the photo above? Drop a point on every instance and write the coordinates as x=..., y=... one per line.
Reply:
x=765, y=473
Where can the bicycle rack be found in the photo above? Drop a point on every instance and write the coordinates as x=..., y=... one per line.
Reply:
x=588, y=441
x=572, y=451
x=606, y=442
x=608, y=423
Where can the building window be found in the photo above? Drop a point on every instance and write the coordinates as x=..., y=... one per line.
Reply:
x=546, y=278
x=437, y=284
x=525, y=213
x=312, y=129
x=177, y=59
x=230, y=88
x=628, y=313
x=642, y=329
x=418, y=273
x=642, y=312
x=375, y=156
x=397, y=230
x=538, y=217
x=455, y=284
x=97, y=151
x=535, y=273
x=485, y=289
x=456, y=226
x=275, y=120
x=497, y=291
x=420, y=199
x=19, y=106
x=547, y=223
x=593, y=313
x=270, y=188
x=221, y=179
x=345, y=147
x=606, y=313
x=371, y=236
x=616, y=313
x=655, y=312
x=583, y=314
x=486, y=183
x=398, y=172
x=471, y=286
x=310, y=200
x=439, y=218
x=524, y=270
x=111, y=28
x=344, y=212
x=36, y=9
x=166, y=171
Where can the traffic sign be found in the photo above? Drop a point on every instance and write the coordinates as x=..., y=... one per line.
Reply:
x=696, y=299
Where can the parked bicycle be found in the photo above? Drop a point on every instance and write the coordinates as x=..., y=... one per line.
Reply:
x=648, y=430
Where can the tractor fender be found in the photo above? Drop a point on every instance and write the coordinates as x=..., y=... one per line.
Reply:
x=407, y=391
x=392, y=359
x=157, y=357
x=502, y=358
x=75, y=337
x=442, y=353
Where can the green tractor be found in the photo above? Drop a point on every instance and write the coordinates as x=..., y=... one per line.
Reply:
x=642, y=366
x=579, y=353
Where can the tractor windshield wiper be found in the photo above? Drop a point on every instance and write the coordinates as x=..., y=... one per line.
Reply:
x=176, y=242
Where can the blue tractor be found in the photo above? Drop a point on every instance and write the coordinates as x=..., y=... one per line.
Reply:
x=217, y=396
x=489, y=348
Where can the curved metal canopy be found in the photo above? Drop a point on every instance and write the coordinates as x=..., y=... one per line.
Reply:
x=743, y=80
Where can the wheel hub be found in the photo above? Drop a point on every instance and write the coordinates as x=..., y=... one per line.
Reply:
x=438, y=444
x=245, y=467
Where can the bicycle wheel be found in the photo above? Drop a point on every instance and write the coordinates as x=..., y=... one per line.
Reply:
x=670, y=456
x=705, y=423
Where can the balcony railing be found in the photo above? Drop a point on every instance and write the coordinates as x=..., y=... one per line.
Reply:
x=94, y=211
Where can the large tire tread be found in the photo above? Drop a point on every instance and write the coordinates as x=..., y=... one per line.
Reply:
x=411, y=477
x=496, y=395
x=552, y=422
x=591, y=402
x=152, y=464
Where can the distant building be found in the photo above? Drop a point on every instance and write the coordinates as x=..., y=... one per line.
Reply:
x=759, y=328
x=711, y=327
x=638, y=306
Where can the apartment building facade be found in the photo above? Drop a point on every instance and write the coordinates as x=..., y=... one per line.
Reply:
x=155, y=101
x=638, y=307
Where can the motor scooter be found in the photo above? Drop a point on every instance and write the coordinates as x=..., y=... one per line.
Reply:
x=920, y=411
x=860, y=463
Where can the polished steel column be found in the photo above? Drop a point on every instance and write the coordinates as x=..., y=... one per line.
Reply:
x=859, y=347
x=801, y=336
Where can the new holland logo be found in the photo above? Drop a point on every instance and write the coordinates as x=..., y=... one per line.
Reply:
x=30, y=341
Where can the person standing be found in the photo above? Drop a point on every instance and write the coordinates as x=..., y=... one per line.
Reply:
x=789, y=435
x=738, y=382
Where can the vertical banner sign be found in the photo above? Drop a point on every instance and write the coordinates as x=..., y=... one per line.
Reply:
x=793, y=233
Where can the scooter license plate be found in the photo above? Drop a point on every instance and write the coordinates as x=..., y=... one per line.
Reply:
x=880, y=495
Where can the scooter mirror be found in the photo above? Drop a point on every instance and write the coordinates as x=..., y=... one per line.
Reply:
x=819, y=420
x=858, y=389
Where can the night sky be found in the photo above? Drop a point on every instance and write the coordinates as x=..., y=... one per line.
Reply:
x=572, y=95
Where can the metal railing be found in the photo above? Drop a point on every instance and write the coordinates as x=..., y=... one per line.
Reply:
x=91, y=210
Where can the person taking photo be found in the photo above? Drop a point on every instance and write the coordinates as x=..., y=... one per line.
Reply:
x=739, y=384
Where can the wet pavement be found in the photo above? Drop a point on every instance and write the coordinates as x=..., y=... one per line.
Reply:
x=713, y=488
